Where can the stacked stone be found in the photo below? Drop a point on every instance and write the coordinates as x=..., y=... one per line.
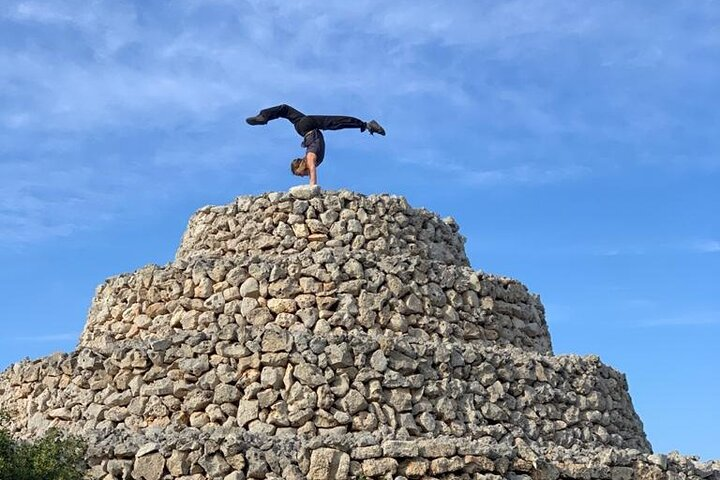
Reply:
x=291, y=382
x=286, y=223
x=329, y=357
x=326, y=291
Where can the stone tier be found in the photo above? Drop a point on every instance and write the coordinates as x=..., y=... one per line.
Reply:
x=292, y=382
x=324, y=291
x=302, y=219
x=233, y=453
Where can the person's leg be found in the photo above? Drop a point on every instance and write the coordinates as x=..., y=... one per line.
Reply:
x=337, y=122
x=278, y=111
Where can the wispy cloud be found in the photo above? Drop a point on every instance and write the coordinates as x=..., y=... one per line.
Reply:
x=624, y=250
x=43, y=199
x=526, y=174
x=707, y=246
x=660, y=247
x=48, y=338
x=684, y=320
x=523, y=82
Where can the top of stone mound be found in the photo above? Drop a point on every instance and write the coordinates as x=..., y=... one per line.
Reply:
x=307, y=218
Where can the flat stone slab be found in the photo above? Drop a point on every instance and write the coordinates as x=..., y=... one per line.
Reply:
x=304, y=192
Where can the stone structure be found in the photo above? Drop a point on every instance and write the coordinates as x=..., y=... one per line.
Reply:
x=330, y=336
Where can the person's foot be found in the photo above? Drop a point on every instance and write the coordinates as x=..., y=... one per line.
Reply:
x=374, y=127
x=256, y=120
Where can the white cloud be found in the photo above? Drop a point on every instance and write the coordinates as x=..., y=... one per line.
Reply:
x=50, y=198
x=268, y=50
x=497, y=74
x=707, y=246
x=686, y=320
x=41, y=12
x=523, y=174
x=48, y=338
x=661, y=247
x=632, y=250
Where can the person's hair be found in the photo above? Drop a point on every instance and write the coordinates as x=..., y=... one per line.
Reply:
x=295, y=165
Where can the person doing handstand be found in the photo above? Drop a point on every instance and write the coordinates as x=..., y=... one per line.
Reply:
x=310, y=128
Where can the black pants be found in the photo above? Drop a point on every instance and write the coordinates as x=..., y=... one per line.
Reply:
x=310, y=126
x=306, y=123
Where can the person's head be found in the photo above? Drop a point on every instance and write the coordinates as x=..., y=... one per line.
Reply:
x=299, y=167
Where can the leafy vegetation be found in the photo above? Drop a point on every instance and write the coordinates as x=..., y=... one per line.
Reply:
x=53, y=456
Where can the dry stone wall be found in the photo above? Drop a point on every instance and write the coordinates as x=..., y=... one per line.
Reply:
x=330, y=353
x=283, y=382
x=325, y=291
x=293, y=222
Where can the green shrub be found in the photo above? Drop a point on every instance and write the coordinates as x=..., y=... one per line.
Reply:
x=53, y=456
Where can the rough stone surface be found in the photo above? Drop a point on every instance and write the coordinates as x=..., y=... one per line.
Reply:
x=319, y=335
x=328, y=464
x=149, y=467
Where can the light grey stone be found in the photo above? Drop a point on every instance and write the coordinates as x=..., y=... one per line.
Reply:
x=309, y=375
x=379, y=466
x=247, y=411
x=226, y=394
x=250, y=288
x=304, y=192
x=353, y=402
x=149, y=467
x=400, y=448
x=328, y=464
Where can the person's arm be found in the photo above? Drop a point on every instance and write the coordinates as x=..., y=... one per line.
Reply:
x=310, y=159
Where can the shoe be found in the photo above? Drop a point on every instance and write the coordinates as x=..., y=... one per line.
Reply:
x=374, y=127
x=256, y=120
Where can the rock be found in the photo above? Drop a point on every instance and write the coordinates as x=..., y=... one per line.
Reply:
x=178, y=463
x=378, y=361
x=146, y=449
x=247, y=411
x=415, y=468
x=60, y=413
x=413, y=304
x=317, y=237
x=149, y=467
x=400, y=448
x=399, y=398
x=328, y=464
x=305, y=192
x=493, y=412
x=250, y=288
x=544, y=471
x=648, y=472
x=353, y=402
x=277, y=341
x=363, y=453
x=379, y=466
x=309, y=375
x=257, y=467
x=445, y=465
x=659, y=460
x=119, y=468
x=197, y=400
x=226, y=394
x=439, y=447
x=282, y=305
x=340, y=356
x=478, y=464
x=215, y=465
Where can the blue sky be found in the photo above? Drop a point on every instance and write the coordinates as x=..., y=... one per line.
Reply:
x=576, y=143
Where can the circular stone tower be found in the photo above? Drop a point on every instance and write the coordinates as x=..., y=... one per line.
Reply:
x=326, y=335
